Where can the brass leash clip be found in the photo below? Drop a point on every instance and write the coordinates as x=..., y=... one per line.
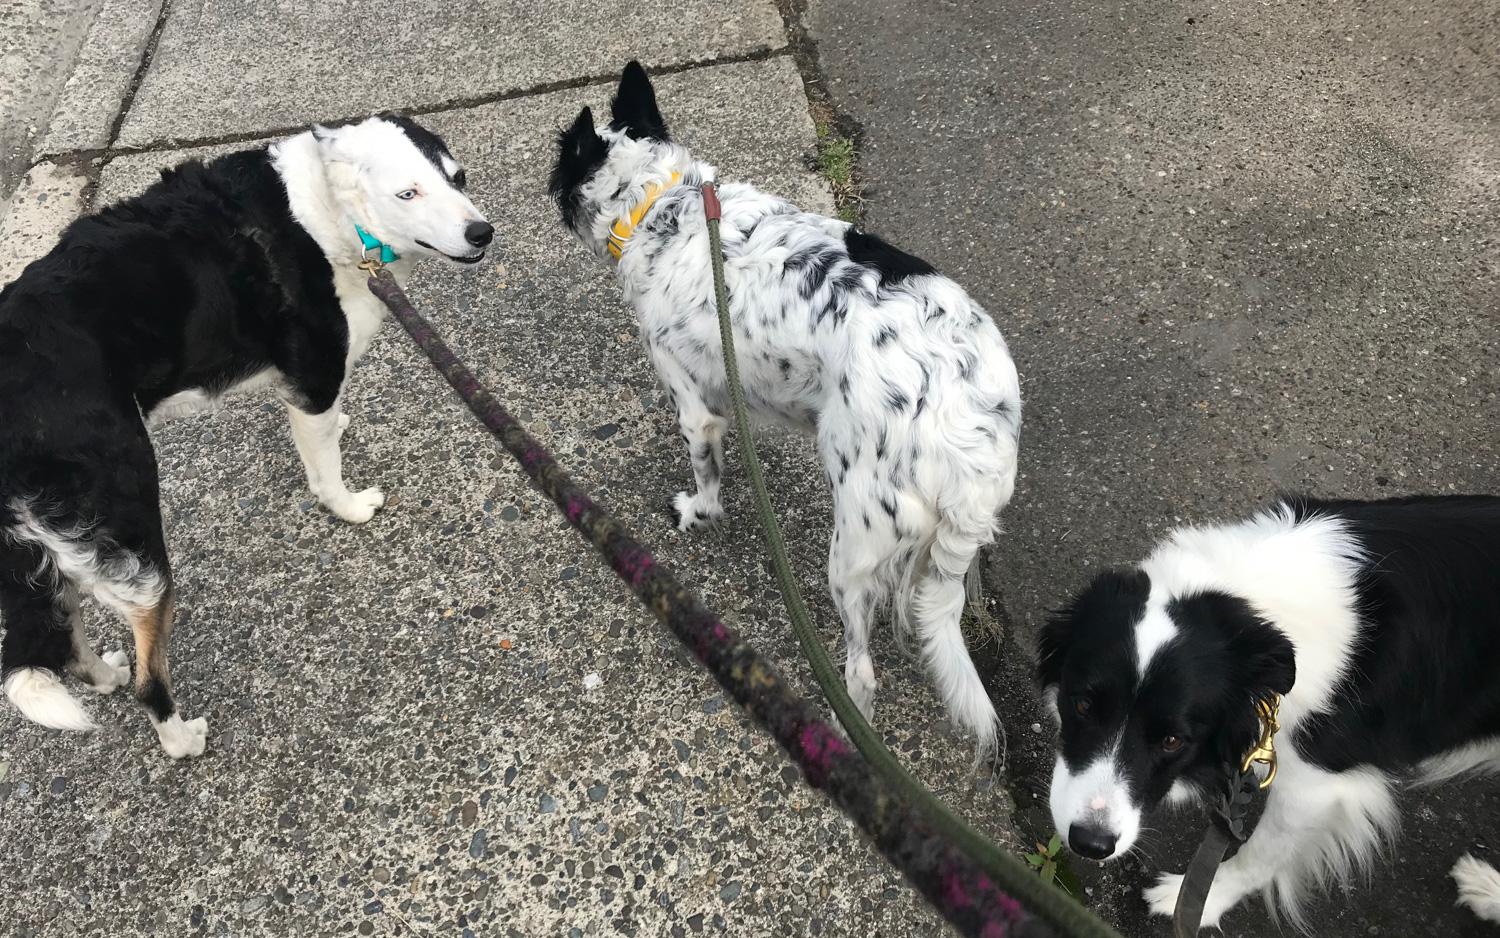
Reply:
x=1267, y=709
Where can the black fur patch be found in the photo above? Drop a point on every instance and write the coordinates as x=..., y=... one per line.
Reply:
x=202, y=280
x=1422, y=679
x=580, y=153
x=893, y=264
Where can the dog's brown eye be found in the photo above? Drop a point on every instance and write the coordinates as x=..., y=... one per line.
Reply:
x=1171, y=743
x=1082, y=706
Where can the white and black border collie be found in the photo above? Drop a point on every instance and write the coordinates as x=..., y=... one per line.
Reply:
x=1378, y=622
x=238, y=274
x=903, y=377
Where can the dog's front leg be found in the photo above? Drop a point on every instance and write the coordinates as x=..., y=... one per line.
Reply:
x=317, y=438
x=1317, y=826
x=704, y=435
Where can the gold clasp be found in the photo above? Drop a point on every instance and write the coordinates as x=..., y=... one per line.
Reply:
x=371, y=265
x=1267, y=710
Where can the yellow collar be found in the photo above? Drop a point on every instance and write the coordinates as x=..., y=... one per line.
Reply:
x=621, y=230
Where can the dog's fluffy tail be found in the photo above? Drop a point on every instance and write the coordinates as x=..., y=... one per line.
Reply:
x=1478, y=887
x=42, y=698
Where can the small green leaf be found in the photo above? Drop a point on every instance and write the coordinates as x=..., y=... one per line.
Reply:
x=1049, y=872
x=1054, y=845
x=1035, y=860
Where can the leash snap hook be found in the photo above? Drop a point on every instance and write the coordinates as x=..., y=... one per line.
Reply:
x=1267, y=710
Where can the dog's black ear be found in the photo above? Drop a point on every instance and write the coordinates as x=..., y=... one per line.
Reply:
x=581, y=144
x=1097, y=617
x=580, y=151
x=1268, y=660
x=634, y=107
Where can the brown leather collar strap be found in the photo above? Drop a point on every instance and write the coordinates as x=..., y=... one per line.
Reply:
x=711, y=202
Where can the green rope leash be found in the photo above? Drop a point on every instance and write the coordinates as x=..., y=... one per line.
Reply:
x=1043, y=900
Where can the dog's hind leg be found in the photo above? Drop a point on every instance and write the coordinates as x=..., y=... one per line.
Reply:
x=151, y=624
x=35, y=611
x=104, y=674
x=851, y=580
x=317, y=438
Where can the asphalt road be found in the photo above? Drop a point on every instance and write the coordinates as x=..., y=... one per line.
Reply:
x=1236, y=248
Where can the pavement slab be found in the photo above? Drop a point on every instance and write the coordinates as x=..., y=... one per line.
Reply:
x=1236, y=248
x=39, y=40
x=86, y=111
x=225, y=68
x=50, y=195
x=404, y=732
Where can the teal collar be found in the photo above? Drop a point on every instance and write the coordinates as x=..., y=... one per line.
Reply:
x=371, y=243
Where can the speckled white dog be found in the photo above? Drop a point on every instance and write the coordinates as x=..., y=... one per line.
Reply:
x=905, y=380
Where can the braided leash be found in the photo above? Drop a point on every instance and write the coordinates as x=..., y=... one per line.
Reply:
x=958, y=887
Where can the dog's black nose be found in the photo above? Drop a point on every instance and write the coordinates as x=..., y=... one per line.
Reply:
x=479, y=233
x=1091, y=842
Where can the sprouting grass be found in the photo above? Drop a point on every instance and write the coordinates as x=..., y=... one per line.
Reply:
x=836, y=163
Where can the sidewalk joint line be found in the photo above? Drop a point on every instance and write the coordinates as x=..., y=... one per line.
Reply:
x=106, y=154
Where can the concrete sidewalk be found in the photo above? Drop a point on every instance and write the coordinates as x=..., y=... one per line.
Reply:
x=402, y=740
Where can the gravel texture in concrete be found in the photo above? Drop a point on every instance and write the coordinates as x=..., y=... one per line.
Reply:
x=1236, y=248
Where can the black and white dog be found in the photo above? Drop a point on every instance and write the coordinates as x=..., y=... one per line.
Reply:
x=224, y=277
x=903, y=377
x=1378, y=622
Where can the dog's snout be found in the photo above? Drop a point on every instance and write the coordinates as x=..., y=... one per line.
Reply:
x=479, y=233
x=1092, y=842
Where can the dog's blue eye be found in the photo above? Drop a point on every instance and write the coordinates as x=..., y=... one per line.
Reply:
x=406, y=195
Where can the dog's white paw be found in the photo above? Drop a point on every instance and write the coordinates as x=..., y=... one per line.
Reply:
x=118, y=668
x=343, y=424
x=1478, y=887
x=1162, y=898
x=860, y=680
x=694, y=516
x=356, y=507
x=183, y=739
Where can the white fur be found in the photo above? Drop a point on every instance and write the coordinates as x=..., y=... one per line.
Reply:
x=1152, y=633
x=1299, y=577
x=1095, y=797
x=336, y=179
x=1480, y=758
x=41, y=698
x=917, y=489
x=88, y=559
x=1478, y=887
x=1318, y=828
x=198, y=400
x=182, y=739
